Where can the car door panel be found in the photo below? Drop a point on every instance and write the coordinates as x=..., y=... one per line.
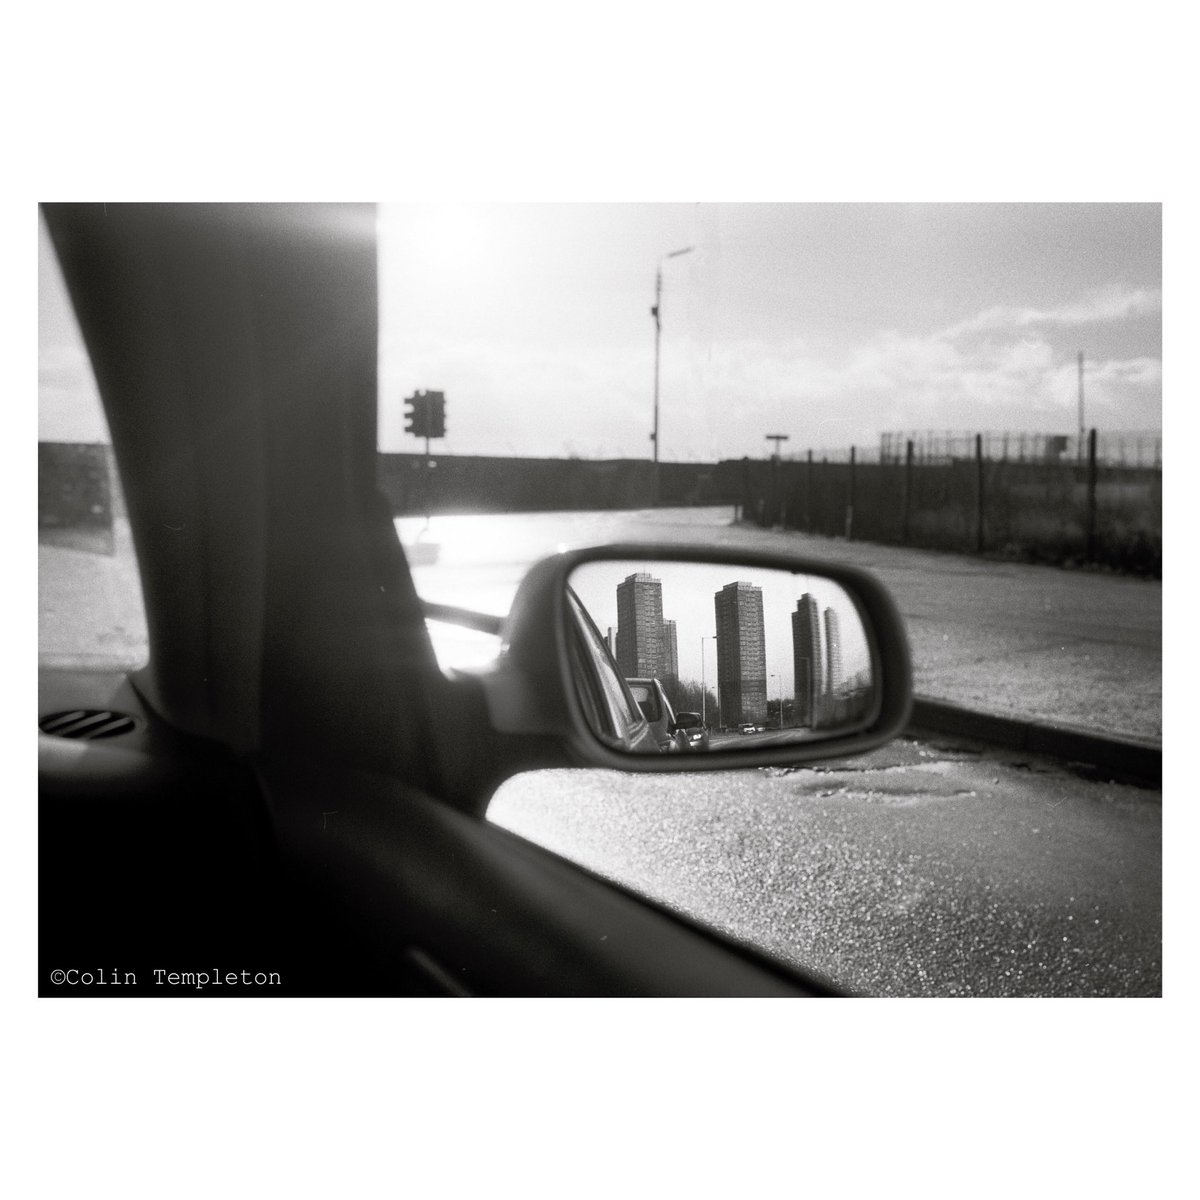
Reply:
x=496, y=914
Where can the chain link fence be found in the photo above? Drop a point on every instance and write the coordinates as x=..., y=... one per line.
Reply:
x=1112, y=449
x=967, y=494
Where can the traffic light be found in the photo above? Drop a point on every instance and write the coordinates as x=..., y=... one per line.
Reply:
x=415, y=415
x=425, y=414
x=435, y=414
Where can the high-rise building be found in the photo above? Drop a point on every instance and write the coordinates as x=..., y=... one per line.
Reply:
x=741, y=654
x=639, y=626
x=806, y=658
x=833, y=653
x=670, y=651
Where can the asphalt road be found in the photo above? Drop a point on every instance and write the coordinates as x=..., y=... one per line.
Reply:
x=922, y=869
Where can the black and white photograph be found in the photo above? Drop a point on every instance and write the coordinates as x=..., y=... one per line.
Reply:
x=600, y=599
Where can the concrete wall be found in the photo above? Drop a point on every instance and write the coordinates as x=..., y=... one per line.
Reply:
x=475, y=483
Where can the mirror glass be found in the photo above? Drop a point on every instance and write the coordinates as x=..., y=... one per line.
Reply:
x=673, y=657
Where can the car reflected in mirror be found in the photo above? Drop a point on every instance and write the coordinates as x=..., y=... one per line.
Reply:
x=724, y=657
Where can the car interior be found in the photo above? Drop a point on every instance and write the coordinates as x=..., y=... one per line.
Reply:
x=292, y=784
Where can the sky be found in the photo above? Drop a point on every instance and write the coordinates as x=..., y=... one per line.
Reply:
x=830, y=323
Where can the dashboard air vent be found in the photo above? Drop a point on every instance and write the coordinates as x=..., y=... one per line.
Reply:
x=87, y=724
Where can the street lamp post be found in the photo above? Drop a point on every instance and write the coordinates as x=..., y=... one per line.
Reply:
x=656, y=313
x=708, y=637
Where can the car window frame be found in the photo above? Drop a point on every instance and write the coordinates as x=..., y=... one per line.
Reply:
x=625, y=722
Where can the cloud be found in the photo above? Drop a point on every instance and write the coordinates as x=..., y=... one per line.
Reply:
x=892, y=383
x=1112, y=304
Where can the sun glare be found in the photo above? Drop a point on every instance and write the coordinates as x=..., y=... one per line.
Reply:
x=446, y=239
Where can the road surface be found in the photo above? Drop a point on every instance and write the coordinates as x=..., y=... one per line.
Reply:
x=922, y=869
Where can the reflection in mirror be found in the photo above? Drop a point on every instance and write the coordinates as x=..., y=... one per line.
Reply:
x=719, y=657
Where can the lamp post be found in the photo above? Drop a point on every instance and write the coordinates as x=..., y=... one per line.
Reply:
x=656, y=313
x=708, y=637
x=1081, y=429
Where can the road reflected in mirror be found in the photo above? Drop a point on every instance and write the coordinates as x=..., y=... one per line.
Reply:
x=719, y=657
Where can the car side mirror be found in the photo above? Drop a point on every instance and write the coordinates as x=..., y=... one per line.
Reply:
x=797, y=659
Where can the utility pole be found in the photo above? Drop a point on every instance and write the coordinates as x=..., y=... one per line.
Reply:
x=708, y=637
x=773, y=501
x=1082, y=434
x=656, y=313
x=1091, y=497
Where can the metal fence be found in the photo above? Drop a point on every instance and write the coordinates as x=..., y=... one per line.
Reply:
x=836, y=454
x=1049, y=509
x=1136, y=450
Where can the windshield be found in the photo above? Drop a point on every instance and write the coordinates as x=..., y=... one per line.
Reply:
x=647, y=700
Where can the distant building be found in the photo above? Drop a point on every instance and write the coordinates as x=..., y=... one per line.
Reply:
x=741, y=654
x=833, y=653
x=639, y=626
x=806, y=659
x=611, y=641
x=670, y=651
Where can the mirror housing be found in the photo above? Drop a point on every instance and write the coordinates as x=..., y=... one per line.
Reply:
x=531, y=689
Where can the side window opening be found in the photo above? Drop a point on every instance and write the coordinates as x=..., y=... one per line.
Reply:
x=90, y=610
